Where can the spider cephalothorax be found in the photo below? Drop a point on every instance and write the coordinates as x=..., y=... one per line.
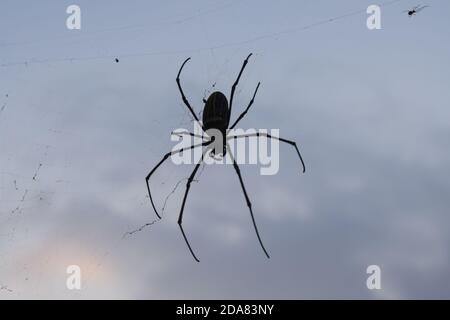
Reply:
x=216, y=115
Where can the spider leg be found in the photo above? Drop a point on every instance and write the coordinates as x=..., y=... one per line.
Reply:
x=186, y=102
x=180, y=218
x=247, y=199
x=187, y=133
x=233, y=88
x=262, y=134
x=166, y=156
x=248, y=107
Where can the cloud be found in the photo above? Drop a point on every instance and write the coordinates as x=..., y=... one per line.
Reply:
x=372, y=132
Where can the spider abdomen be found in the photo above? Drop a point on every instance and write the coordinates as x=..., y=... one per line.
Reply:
x=215, y=113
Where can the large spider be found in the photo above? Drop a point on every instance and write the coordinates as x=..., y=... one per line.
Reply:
x=216, y=115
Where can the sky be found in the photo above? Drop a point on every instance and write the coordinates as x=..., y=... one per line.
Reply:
x=369, y=110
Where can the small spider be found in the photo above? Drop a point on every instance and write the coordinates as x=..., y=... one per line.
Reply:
x=415, y=10
x=216, y=115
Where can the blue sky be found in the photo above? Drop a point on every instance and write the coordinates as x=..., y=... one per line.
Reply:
x=369, y=110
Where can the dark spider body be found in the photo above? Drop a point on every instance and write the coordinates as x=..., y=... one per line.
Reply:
x=216, y=112
x=216, y=115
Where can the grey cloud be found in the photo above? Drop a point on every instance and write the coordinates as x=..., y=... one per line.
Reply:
x=371, y=128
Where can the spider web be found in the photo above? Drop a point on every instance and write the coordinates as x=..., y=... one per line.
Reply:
x=21, y=192
x=211, y=48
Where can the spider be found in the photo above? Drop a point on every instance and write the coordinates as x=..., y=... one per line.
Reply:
x=415, y=10
x=216, y=115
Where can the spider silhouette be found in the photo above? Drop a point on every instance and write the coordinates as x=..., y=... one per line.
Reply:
x=415, y=10
x=216, y=115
